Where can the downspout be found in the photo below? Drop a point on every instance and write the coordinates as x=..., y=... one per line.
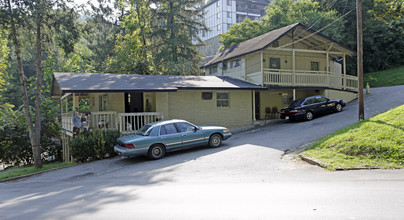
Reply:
x=293, y=65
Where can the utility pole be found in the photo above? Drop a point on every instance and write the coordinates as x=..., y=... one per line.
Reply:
x=360, y=58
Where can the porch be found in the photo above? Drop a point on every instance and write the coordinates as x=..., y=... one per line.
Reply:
x=305, y=78
x=125, y=123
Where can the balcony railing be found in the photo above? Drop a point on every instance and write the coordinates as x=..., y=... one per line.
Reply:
x=282, y=77
x=126, y=123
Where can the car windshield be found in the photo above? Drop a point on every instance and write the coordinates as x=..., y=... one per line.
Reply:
x=296, y=103
x=144, y=130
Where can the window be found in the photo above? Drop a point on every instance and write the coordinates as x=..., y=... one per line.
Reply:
x=236, y=63
x=321, y=99
x=315, y=66
x=217, y=4
x=185, y=127
x=229, y=2
x=213, y=70
x=203, y=33
x=218, y=16
x=310, y=101
x=229, y=14
x=228, y=26
x=207, y=95
x=218, y=27
x=222, y=99
x=168, y=129
x=103, y=105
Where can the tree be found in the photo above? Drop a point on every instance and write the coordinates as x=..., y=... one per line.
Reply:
x=4, y=53
x=40, y=17
x=132, y=48
x=281, y=13
x=176, y=24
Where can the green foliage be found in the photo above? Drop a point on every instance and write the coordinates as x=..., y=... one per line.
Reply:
x=4, y=52
x=97, y=144
x=391, y=77
x=281, y=13
x=377, y=142
x=15, y=147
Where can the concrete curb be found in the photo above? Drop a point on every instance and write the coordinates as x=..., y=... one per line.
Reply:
x=11, y=179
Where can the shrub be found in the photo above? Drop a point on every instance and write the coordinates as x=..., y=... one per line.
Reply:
x=15, y=146
x=97, y=144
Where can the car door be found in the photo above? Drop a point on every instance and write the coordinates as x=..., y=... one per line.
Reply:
x=324, y=105
x=191, y=135
x=170, y=137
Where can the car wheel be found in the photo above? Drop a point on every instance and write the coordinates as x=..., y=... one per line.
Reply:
x=338, y=107
x=309, y=116
x=215, y=140
x=156, y=152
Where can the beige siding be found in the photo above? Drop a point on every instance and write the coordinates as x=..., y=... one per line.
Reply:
x=188, y=105
x=116, y=102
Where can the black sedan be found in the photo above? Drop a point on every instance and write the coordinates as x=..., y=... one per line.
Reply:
x=307, y=108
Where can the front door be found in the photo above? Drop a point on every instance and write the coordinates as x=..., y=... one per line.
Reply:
x=257, y=106
x=133, y=102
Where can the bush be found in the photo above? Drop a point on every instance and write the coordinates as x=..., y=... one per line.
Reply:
x=15, y=145
x=97, y=144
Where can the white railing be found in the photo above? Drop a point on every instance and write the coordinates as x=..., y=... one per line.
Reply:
x=129, y=123
x=126, y=123
x=104, y=120
x=281, y=77
x=67, y=122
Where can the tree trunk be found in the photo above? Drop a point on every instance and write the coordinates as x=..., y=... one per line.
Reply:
x=35, y=146
x=36, y=139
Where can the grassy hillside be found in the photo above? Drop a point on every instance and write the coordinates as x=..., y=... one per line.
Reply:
x=391, y=77
x=376, y=142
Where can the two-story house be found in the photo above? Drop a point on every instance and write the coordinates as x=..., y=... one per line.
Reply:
x=292, y=62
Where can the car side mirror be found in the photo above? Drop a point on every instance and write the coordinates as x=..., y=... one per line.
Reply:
x=196, y=129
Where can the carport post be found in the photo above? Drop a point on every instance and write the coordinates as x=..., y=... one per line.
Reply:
x=294, y=94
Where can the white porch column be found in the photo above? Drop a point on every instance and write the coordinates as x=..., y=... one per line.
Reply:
x=328, y=67
x=294, y=94
x=344, y=71
x=262, y=69
x=294, y=66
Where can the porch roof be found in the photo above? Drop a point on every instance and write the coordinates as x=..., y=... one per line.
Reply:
x=105, y=82
x=305, y=34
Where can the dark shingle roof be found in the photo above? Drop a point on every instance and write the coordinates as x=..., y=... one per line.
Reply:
x=261, y=42
x=104, y=82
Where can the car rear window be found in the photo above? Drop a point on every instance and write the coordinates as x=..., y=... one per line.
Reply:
x=296, y=103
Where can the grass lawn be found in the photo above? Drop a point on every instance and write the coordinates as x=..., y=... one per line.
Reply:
x=374, y=143
x=391, y=77
x=19, y=171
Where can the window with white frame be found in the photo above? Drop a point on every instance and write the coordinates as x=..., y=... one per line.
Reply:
x=222, y=99
x=229, y=2
x=103, y=103
x=236, y=63
x=229, y=14
x=213, y=70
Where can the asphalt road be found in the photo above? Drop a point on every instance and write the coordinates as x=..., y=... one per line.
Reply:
x=246, y=178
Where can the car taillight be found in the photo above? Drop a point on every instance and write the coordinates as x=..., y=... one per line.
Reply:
x=294, y=111
x=129, y=145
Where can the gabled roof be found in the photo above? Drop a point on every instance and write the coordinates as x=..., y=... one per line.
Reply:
x=105, y=82
x=264, y=41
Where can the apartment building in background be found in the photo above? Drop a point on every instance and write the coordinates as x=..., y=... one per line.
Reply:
x=221, y=14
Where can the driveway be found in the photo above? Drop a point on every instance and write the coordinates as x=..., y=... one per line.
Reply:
x=246, y=178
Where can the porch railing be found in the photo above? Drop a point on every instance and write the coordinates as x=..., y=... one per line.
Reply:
x=131, y=122
x=126, y=123
x=282, y=77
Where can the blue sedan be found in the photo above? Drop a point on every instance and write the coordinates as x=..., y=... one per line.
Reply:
x=157, y=138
